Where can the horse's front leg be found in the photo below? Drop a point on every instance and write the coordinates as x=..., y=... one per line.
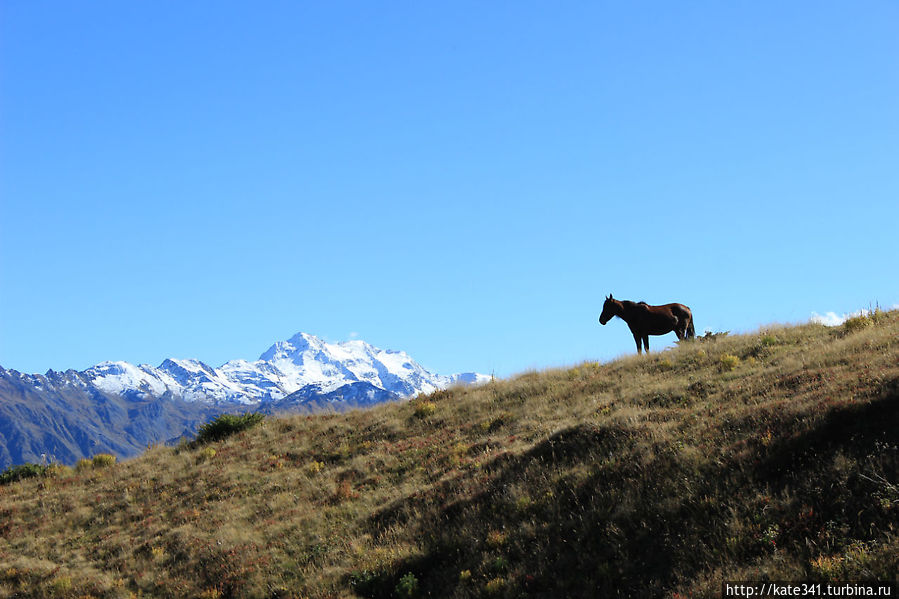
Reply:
x=646, y=342
x=638, y=340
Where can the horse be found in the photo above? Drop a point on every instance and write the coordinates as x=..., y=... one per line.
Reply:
x=645, y=320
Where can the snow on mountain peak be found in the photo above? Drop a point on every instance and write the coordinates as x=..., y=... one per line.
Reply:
x=304, y=340
x=122, y=377
x=284, y=368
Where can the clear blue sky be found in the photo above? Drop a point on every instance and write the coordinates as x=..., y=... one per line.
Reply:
x=464, y=181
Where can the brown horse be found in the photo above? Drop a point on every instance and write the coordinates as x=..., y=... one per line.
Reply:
x=645, y=320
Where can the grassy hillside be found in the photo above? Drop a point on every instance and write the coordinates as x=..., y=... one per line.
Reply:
x=772, y=455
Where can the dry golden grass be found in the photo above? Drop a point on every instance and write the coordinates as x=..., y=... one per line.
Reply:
x=773, y=454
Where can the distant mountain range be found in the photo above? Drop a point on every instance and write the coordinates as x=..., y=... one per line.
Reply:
x=120, y=408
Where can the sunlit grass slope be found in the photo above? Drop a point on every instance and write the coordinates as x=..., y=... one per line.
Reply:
x=768, y=455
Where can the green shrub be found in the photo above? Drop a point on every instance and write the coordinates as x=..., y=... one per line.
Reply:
x=226, y=425
x=407, y=587
x=20, y=472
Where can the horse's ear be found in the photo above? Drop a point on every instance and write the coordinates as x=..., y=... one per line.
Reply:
x=610, y=296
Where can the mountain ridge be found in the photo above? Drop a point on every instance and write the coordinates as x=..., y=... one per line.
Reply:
x=284, y=368
x=72, y=414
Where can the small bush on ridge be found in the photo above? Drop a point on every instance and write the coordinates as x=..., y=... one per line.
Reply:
x=226, y=425
x=20, y=472
x=102, y=460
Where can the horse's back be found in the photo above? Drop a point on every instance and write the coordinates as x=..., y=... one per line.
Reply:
x=675, y=309
x=678, y=309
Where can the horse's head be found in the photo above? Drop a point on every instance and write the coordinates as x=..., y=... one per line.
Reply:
x=610, y=308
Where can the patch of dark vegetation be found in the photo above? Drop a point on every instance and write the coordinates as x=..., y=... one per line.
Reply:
x=224, y=426
x=21, y=472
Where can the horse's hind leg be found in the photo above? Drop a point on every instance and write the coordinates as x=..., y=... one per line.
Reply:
x=684, y=327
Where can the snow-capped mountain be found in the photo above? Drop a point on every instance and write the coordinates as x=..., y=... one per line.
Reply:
x=121, y=408
x=284, y=368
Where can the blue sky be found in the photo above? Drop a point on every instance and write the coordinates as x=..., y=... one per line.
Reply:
x=464, y=181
